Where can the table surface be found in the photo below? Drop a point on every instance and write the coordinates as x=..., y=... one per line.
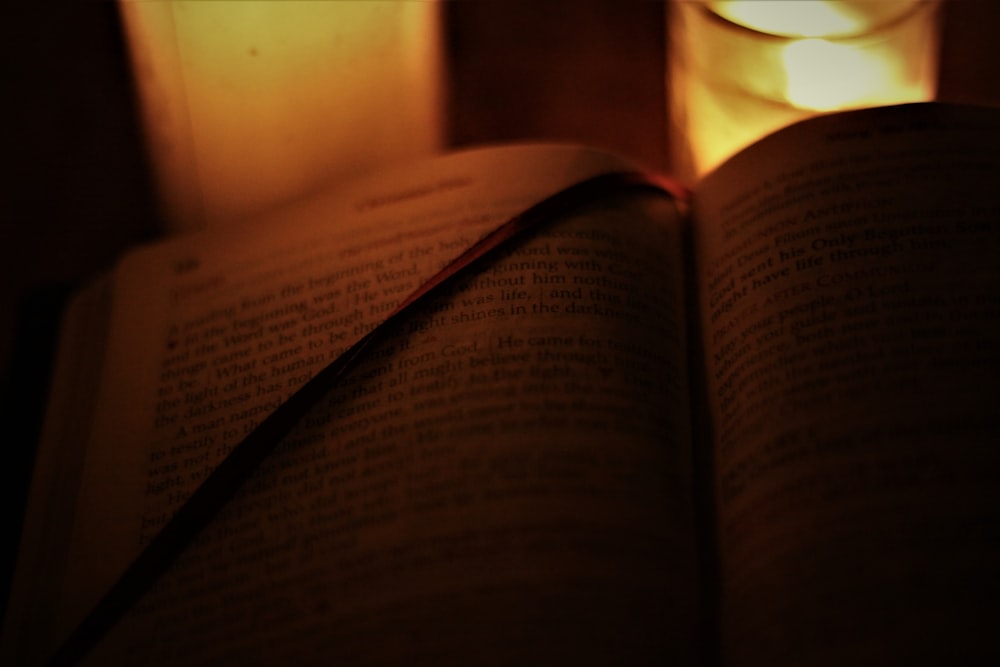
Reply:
x=76, y=187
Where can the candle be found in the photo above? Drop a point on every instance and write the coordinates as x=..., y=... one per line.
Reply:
x=741, y=69
x=247, y=104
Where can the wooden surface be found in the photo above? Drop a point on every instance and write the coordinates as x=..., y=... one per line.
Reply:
x=76, y=192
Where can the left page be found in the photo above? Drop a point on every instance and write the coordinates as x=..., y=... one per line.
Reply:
x=441, y=492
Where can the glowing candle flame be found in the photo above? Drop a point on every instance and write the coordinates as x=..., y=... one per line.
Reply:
x=792, y=19
x=749, y=67
x=824, y=75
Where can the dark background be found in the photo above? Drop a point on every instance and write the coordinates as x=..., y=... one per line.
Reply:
x=75, y=186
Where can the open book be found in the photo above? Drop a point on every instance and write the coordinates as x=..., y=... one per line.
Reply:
x=759, y=425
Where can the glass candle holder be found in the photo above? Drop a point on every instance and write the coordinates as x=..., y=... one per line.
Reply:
x=741, y=69
x=249, y=103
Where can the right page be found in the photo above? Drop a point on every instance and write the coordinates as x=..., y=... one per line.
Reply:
x=849, y=273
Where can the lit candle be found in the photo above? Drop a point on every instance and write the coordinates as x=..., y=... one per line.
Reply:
x=741, y=69
x=250, y=103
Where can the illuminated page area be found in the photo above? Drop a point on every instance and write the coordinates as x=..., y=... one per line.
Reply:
x=849, y=281
x=210, y=331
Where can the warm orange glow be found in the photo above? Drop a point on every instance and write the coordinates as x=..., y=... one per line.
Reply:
x=800, y=19
x=812, y=18
x=772, y=62
x=249, y=103
x=825, y=75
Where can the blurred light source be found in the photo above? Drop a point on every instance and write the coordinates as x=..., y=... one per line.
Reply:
x=248, y=103
x=741, y=69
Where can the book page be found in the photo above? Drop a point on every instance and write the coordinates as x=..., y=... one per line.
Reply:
x=509, y=469
x=850, y=298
